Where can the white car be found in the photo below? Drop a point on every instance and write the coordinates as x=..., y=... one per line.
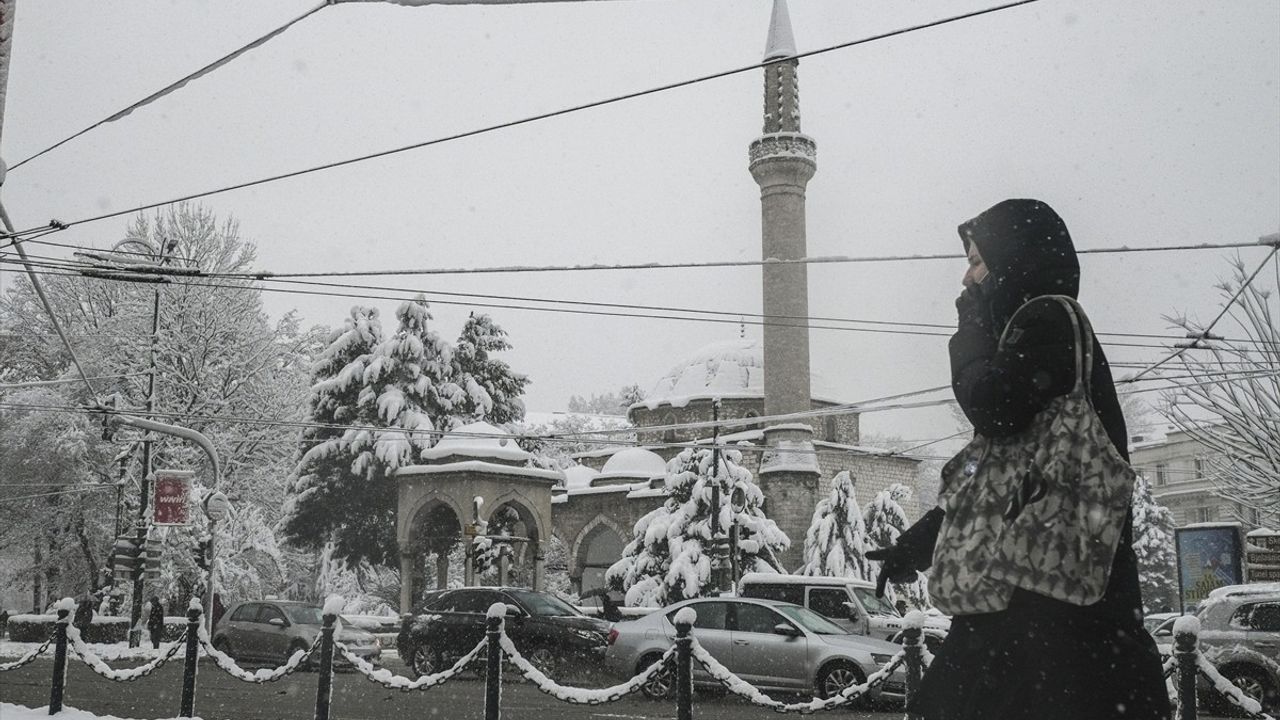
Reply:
x=772, y=645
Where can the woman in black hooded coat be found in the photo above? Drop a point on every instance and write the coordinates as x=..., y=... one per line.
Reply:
x=1040, y=658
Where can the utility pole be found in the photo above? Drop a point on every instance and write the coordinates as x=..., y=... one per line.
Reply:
x=718, y=559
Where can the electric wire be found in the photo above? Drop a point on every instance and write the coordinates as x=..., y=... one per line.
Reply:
x=42, y=383
x=225, y=59
x=547, y=115
x=244, y=284
x=6, y=500
x=1179, y=352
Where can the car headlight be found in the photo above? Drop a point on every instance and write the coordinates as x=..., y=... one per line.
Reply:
x=881, y=660
x=591, y=637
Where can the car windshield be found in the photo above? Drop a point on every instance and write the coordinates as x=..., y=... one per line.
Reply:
x=304, y=614
x=544, y=605
x=873, y=604
x=810, y=620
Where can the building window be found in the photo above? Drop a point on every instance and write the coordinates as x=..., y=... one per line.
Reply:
x=1200, y=468
x=1200, y=515
x=833, y=429
x=1162, y=475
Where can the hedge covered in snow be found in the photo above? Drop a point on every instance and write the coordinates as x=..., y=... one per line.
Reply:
x=104, y=628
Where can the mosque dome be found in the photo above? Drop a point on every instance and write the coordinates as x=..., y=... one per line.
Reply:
x=579, y=476
x=634, y=462
x=726, y=369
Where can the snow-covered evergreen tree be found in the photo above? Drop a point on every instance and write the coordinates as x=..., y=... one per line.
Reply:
x=1154, y=546
x=492, y=388
x=884, y=520
x=668, y=558
x=396, y=392
x=836, y=542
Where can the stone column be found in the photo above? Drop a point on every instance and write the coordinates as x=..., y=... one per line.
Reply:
x=407, y=579
x=442, y=569
x=539, y=565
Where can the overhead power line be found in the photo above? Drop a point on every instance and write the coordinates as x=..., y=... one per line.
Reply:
x=543, y=116
x=175, y=85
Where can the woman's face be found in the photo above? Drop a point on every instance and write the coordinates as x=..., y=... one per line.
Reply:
x=977, y=270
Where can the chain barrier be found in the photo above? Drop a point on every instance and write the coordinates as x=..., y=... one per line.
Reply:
x=28, y=658
x=228, y=664
x=1252, y=708
x=926, y=657
x=390, y=680
x=576, y=695
x=96, y=664
x=740, y=687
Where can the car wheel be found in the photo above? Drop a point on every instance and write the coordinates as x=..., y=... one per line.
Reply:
x=662, y=684
x=223, y=646
x=1251, y=682
x=423, y=661
x=836, y=677
x=544, y=659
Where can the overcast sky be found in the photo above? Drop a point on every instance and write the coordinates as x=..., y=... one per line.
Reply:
x=1143, y=123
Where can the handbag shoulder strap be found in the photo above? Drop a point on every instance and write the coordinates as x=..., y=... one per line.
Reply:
x=1082, y=335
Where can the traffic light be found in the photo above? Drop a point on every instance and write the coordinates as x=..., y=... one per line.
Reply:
x=202, y=554
x=125, y=557
x=154, y=550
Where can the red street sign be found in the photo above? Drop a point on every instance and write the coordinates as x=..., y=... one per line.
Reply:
x=171, y=503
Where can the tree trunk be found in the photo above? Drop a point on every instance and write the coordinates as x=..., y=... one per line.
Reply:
x=37, y=564
x=86, y=549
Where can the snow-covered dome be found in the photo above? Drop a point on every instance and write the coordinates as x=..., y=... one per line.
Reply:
x=732, y=368
x=478, y=439
x=635, y=462
x=579, y=476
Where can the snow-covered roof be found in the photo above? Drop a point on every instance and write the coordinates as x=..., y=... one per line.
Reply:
x=727, y=369
x=479, y=466
x=634, y=462
x=579, y=476
x=462, y=441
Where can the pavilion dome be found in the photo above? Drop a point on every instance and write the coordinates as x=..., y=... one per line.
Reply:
x=635, y=462
x=726, y=369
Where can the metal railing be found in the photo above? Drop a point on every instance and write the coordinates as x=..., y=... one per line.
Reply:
x=1181, y=671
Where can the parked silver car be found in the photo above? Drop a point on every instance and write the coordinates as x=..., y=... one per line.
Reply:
x=271, y=630
x=771, y=644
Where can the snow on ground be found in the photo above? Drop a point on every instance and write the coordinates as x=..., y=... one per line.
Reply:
x=9, y=711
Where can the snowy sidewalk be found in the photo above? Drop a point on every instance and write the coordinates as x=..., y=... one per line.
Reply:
x=9, y=711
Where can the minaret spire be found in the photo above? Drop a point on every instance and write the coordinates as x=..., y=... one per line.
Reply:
x=782, y=160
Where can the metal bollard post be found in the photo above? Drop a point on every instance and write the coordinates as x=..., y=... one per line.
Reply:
x=684, y=667
x=1185, y=633
x=59, y=660
x=911, y=648
x=191, y=664
x=324, y=686
x=493, y=666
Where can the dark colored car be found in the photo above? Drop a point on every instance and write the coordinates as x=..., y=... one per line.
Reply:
x=545, y=629
x=272, y=630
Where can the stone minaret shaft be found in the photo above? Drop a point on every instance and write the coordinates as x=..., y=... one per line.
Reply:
x=782, y=162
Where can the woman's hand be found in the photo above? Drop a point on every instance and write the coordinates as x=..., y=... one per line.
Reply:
x=971, y=307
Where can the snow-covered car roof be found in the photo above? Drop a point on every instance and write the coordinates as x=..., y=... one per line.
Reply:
x=756, y=578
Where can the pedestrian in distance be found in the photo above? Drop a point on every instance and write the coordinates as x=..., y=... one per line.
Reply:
x=1041, y=629
x=4, y=621
x=155, y=621
x=83, y=617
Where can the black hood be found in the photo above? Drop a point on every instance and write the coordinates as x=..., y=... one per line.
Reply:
x=1028, y=253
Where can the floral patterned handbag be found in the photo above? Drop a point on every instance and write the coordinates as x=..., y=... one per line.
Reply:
x=1042, y=510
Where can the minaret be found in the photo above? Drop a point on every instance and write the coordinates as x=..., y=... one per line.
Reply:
x=782, y=162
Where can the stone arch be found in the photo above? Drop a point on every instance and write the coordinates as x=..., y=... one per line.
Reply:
x=600, y=536
x=426, y=502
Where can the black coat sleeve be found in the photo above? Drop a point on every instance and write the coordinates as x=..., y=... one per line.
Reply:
x=999, y=389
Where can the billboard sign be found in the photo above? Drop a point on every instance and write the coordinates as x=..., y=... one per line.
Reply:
x=1209, y=557
x=171, y=498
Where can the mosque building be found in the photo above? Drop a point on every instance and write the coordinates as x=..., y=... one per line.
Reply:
x=592, y=507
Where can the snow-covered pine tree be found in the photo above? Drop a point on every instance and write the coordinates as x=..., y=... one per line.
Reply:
x=884, y=520
x=406, y=386
x=492, y=388
x=1154, y=546
x=327, y=500
x=836, y=542
x=668, y=558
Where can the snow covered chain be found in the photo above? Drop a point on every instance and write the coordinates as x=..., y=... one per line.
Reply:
x=738, y=686
x=96, y=664
x=582, y=696
x=229, y=666
x=387, y=679
x=28, y=658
